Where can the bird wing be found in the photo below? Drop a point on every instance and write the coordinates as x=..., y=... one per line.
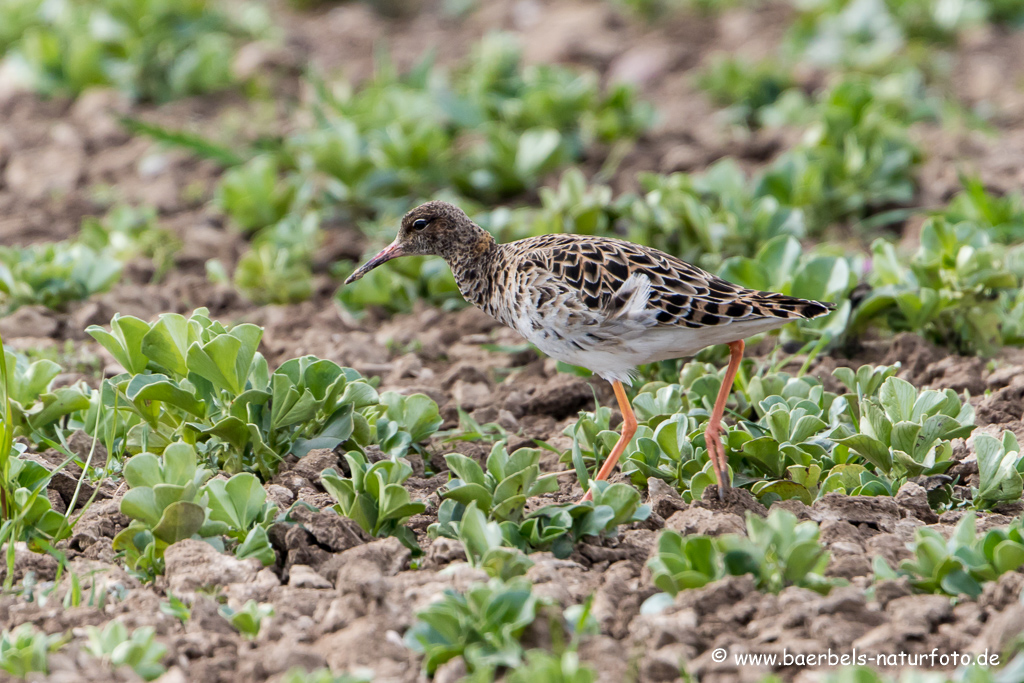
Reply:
x=607, y=281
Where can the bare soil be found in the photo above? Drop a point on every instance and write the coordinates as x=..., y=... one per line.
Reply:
x=343, y=599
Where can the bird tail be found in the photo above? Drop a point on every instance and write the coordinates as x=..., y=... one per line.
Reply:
x=774, y=305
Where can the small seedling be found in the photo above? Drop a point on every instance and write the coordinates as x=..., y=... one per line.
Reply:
x=25, y=649
x=374, y=496
x=483, y=626
x=140, y=650
x=249, y=618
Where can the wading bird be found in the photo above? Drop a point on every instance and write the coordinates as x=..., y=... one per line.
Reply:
x=600, y=303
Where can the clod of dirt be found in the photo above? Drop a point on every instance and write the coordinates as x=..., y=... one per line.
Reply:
x=1001, y=632
x=371, y=562
x=97, y=527
x=314, y=463
x=700, y=520
x=271, y=658
x=442, y=552
x=619, y=597
x=737, y=501
x=847, y=565
x=451, y=671
x=607, y=656
x=959, y=373
x=368, y=642
x=81, y=444
x=562, y=396
x=912, y=618
x=43, y=566
x=35, y=174
x=331, y=530
x=998, y=595
x=887, y=590
x=890, y=547
x=96, y=114
x=64, y=482
x=304, y=576
x=663, y=499
x=914, y=355
x=313, y=536
x=912, y=499
x=874, y=511
x=836, y=531
x=799, y=509
x=36, y=322
x=1003, y=405
x=471, y=395
x=192, y=565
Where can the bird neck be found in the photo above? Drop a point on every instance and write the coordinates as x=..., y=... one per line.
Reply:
x=474, y=268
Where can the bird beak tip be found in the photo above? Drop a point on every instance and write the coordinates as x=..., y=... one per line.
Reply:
x=393, y=250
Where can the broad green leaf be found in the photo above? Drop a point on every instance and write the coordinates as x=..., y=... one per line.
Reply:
x=166, y=343
x=466, y=469
x=959, y=582
x=180, y=520
x=160, y=388
x=140, y=503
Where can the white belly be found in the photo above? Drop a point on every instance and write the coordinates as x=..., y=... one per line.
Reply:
x=615, y=359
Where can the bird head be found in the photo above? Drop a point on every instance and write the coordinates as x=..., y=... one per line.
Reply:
x=431, y=229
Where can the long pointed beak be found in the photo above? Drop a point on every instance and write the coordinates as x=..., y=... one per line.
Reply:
x=393, y=250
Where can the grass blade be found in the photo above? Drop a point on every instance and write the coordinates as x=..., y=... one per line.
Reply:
x=198, y=145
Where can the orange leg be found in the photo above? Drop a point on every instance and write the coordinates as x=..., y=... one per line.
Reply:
x=628, y=430
x=711, y=435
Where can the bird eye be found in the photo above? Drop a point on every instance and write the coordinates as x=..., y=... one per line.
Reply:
x=420, y=223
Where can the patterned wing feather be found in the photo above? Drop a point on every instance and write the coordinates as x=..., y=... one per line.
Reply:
x=603, y=274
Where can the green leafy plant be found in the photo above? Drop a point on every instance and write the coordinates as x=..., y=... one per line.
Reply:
x=152, y=49
x=268, y=274
x=163, y=504
x=685, y=562
x=998, y=462
x=1002, y=217
x=401, y=422
x=25, y=649
x=25, y=509
x=501, y=493
x=253, y=195
x=962, y=563
x=778, y=551
x=560, y=527
x=174, y=607
x=949, y=291
x=544, y=666
x=249, y=618
x=140, y=650
x=907, y=433
x=240, y=504
x=483, y=626
x=484, y=545
x=373, y=496
x=54, y=274
x=856, y=157
x=301, y=675
x=746, y=88
x=127, y=232
x=196, y=380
